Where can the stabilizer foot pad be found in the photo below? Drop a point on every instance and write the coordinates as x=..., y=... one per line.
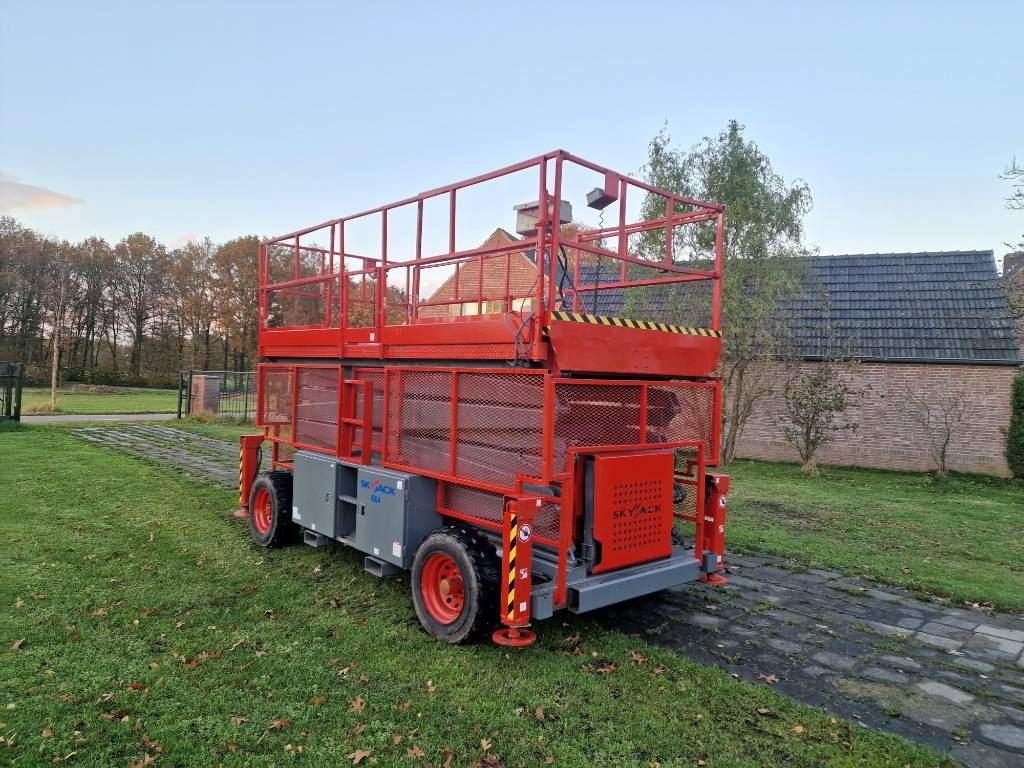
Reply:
x=241, y=514
x=714, y=579
x=514, y=637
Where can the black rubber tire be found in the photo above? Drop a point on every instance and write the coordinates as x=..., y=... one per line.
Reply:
x=480, y=567
x=282, y=530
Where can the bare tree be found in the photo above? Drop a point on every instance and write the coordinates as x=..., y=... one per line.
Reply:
x=813, y=403
x=61, y=285
x=142, y=268
x=940, y=415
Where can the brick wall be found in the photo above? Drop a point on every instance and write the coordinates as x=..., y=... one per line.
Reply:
x=889, y=440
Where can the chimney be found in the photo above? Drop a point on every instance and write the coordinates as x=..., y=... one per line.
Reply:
x=528, y=213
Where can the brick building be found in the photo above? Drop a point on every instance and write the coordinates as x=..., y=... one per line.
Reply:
x=467, y=281
x=925, y=323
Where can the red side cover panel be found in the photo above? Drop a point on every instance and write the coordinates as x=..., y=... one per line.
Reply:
x=633, y=351
x=632, y=508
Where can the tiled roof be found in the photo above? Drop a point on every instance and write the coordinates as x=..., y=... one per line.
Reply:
x=931, y=307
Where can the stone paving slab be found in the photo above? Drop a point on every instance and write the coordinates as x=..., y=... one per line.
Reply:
x=198, y=457
x=948, y=677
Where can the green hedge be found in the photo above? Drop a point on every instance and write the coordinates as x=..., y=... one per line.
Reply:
x=1015, y=434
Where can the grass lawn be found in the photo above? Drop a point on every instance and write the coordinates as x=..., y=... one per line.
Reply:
x=962, y=538
x=138, y=620
x=123, y=400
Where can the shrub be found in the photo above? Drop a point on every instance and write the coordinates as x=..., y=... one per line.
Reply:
x=1015, y=433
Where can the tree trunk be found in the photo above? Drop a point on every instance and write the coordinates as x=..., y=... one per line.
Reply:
x=734, y=427
x=53, y=369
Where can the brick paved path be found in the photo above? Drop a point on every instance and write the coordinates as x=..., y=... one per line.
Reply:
x=196, y=456
x=952, y=678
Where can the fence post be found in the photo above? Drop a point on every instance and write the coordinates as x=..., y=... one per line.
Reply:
x=188, y=402
x=245, y=398
x=20, y=374
x=181, y=380
x=7, y=401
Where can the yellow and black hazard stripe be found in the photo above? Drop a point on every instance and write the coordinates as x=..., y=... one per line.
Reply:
x=243, y=502
x=625, y=322
x=513, y=537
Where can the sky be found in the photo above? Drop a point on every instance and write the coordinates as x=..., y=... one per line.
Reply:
x=190, y=119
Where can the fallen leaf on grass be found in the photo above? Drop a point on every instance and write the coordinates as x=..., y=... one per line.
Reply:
x=238, y=719
x=358, y=704
x=397, y=739
x=797, y=729
x=485, y=744
x=770, y=679
x=47, y=733
x=765, y=712
x=137, y=686
x=539, y=714
x=232, y=747
x=414, y=752
x=430, y=686
x=17, y=644
x=149, y=744
x=18, y=602
x=404, y=706
x=316, y=701
x=658, y=670
x=360, y=727
x=280, y=724
x=147, y=760
x=358, y=756
x=638, y=658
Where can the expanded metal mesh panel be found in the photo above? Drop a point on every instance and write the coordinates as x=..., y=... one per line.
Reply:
x=285, y=453
x=376, y=376
x=276, y=406
x=499, y=419
x=595, y=415
x=490, y=508
x=316, y=411
x=485, y=506
x=419, y=422
x=545, y=524
x=693, y=413
x=451, y=351
x=591, y=415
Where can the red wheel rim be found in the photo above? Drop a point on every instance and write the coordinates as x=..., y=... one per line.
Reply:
x=441, y=588
x=262, y=512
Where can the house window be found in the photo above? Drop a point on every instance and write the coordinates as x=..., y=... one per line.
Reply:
x=490, y=307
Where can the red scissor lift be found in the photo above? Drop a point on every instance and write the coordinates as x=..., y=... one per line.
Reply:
x=519, y=423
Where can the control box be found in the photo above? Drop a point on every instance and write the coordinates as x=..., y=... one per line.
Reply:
x=382, y=512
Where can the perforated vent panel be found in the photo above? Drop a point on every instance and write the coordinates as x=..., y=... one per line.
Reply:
x=632, y=508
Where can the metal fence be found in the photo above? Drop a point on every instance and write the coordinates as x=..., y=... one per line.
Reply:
x=230, y=394
x=11, y=377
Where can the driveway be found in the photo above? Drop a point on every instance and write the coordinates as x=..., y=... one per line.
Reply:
x=75, y=418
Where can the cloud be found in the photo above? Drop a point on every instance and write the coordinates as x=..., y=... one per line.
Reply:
x=14, y=194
